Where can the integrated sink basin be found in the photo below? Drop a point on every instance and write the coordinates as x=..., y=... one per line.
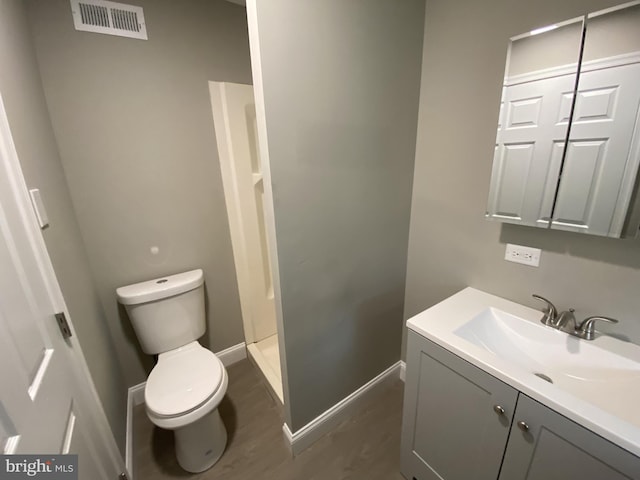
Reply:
x=543, y=351
x=595, y=383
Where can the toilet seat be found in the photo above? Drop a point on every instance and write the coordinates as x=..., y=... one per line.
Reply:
x=186, y=384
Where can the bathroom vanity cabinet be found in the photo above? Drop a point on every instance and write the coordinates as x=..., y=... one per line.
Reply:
x=461, y=423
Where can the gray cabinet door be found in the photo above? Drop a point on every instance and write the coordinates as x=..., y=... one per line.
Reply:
x=555, y=448
x=450, y=429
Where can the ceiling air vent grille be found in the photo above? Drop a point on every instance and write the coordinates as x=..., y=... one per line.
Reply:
x=111, y=18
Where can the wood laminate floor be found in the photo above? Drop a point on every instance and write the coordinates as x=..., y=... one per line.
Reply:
x=364, y=446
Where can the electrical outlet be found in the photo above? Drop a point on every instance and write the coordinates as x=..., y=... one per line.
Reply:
x=525, y=255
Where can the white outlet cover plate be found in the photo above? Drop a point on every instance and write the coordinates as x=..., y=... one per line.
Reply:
x=521, y=254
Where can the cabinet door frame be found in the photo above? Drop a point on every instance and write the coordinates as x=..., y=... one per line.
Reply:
x=609, y=136
x=534, y=122
x=531, y=454
x=487, y=431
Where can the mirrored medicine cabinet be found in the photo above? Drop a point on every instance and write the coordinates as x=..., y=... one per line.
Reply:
x=568, y=142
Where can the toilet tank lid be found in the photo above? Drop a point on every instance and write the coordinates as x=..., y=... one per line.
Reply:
x=160, y=288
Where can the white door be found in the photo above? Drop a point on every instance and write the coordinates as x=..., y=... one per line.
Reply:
x=47, y=405
x=234, y=116
x=534, y=117
x=600, y=164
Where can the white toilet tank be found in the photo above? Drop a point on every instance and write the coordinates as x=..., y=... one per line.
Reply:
x=166, y=312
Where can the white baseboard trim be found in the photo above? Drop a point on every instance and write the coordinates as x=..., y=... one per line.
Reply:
x=403, y=370
x=136, y=394
x=233, y=354
x=135, y=397
x=128, y=442
x=323, y=423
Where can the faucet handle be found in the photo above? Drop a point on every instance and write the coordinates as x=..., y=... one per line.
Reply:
x=586, y=329
x=551, y=314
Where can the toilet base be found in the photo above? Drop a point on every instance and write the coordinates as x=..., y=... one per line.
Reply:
x=200, y=444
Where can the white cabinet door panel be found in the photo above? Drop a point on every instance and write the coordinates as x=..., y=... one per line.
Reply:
x=532, y=131
x=599, y=168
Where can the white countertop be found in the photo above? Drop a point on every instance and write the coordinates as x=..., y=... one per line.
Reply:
x=607, y=407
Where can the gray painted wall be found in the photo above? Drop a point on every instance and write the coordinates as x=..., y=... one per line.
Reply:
x=341, y=85
x=613, y=34
x=135, y=130
x=451, y=245
x=550, y=49
x=24, y=101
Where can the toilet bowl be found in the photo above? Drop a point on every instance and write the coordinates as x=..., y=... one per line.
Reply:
x=188, y=383
x=182, y=393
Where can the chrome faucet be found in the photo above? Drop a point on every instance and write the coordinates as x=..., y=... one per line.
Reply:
x=566, y=321
x=550, y=314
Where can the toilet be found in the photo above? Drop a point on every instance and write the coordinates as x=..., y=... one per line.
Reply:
x=185, y=387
